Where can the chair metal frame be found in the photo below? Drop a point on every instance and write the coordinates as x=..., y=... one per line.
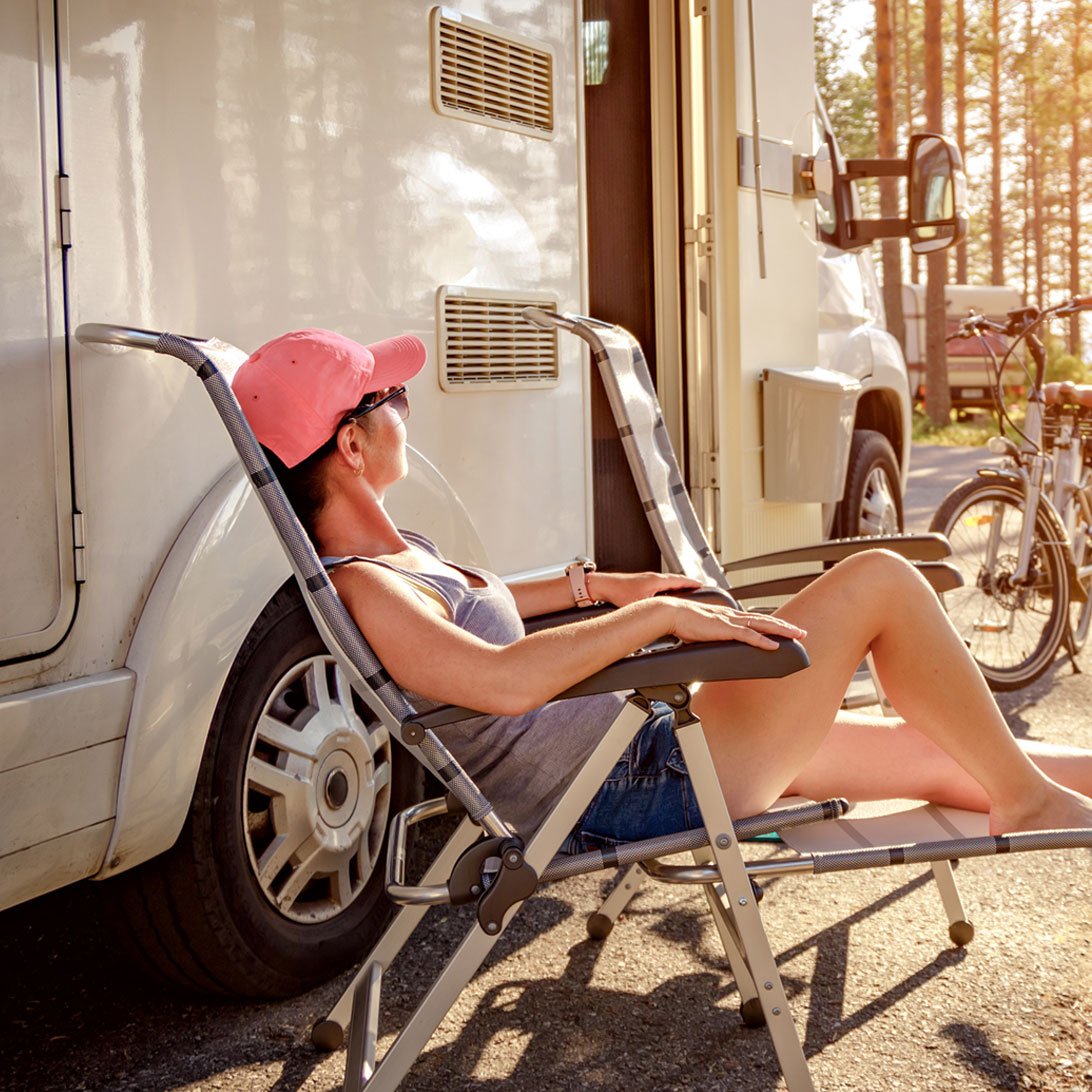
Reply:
x=484, y=861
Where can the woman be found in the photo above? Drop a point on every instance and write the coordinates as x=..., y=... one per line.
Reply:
x=331, y=414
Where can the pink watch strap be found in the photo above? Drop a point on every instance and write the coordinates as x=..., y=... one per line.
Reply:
x=577, y=572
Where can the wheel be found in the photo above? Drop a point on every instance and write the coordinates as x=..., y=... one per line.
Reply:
x=1014, y=632
x=276, y=880
x=1080, y=612
x=872, y=501
x=1080, y=616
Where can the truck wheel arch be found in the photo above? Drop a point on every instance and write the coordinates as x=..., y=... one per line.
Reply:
x=879, y=411
x=193, y=623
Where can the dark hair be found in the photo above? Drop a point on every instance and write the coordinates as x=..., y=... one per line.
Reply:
x=305, y=483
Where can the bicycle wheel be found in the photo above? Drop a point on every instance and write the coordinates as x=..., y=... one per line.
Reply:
x=1013, y=631
x=1080, y=612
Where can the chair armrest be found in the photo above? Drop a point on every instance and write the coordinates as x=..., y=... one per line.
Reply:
x=941, y=576
x=682, y=663
x=928, y=546
x=707, y=661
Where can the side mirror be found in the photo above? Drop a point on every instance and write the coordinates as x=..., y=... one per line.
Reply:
x=937, y=193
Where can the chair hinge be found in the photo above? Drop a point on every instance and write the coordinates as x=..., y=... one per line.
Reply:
x=701, y=235
x=64, y=209
x=78, y=544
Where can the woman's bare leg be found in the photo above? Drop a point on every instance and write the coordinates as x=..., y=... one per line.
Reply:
x=765, y=733
x=879, y=758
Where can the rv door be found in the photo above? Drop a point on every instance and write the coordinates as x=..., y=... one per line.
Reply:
x=37, y=566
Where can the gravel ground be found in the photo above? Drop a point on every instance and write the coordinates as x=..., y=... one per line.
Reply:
x=881, y=998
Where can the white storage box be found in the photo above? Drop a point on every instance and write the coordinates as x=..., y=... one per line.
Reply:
x=807, y=420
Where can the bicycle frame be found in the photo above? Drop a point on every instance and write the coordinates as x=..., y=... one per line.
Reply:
x=1029, y=544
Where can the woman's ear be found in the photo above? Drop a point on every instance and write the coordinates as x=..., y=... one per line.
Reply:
x=349, y=448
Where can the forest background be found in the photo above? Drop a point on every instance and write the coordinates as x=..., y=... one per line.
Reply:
x=1011, y=82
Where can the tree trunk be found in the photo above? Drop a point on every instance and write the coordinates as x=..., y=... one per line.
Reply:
x=1073, y=335
x=887, y=148
x=908, y=88
x=1032, y=195
x=1037, y=237
x=938, y=400
x=961, y=115
x=997, y=228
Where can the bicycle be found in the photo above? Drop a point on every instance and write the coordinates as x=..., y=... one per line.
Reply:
x=1021, y=532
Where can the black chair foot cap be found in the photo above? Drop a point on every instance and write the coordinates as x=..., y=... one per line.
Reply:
x=328, y=1035
x=961, y=932
x=599, y=926
x=752, y=1014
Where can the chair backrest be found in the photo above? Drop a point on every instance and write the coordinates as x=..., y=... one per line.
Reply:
x=647, y=444
x=334, y=623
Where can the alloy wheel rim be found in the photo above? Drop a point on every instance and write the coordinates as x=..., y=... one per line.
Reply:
x=879, y=513
x=317, y=794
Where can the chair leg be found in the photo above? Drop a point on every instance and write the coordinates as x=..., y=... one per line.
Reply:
x=750, y=1008
x=432, y=1008
x=960, y=928
x=754, y=944
x=602, y=921
x=329, y=1034
x=363, y=1029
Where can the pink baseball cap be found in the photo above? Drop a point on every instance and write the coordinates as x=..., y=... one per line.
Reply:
x=296, y=389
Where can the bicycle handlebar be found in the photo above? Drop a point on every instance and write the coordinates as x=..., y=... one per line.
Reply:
x=1074, y=305
x=1019, y=320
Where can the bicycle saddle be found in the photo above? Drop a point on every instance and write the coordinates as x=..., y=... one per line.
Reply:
x=1077, y=394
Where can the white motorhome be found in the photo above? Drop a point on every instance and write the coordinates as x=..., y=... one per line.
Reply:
x=237, y=168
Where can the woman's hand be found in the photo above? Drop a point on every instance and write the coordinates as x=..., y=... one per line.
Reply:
x=624, y=588
x=697, y=621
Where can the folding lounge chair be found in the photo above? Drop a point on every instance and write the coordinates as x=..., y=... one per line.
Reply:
x=685, y=549
x=483, y=861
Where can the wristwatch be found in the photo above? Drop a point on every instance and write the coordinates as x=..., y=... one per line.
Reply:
x=577, y=572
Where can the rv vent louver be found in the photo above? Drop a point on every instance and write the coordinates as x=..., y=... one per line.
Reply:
x=485, y=342
x=484, y=74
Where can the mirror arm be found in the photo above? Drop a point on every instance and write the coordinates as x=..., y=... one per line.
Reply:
x=875, y=168
x=867, y=231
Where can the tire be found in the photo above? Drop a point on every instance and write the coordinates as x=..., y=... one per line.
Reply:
x=872, y=501
x=1080, y=613
x=1080, y=617
x=1013, y=633
x=276, y=881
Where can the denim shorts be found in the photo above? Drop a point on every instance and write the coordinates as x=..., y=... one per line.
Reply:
x=646, y=795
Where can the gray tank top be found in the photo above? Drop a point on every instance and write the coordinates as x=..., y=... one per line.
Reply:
x=521, y=763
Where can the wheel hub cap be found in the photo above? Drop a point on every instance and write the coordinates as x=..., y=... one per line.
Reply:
x=337, y=789
x=318, y=794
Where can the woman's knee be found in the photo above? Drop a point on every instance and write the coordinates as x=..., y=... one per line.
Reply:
x=879, y=570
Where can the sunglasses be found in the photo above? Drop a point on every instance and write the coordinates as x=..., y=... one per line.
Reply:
x=395, y=397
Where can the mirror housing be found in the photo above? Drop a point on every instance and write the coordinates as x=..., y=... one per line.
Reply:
x=936, y=197
x=937, y=192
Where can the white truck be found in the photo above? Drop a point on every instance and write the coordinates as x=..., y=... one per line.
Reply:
x=167, y=715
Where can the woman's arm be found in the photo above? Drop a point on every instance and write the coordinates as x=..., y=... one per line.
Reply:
x=537, y=597
x=428, y=654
